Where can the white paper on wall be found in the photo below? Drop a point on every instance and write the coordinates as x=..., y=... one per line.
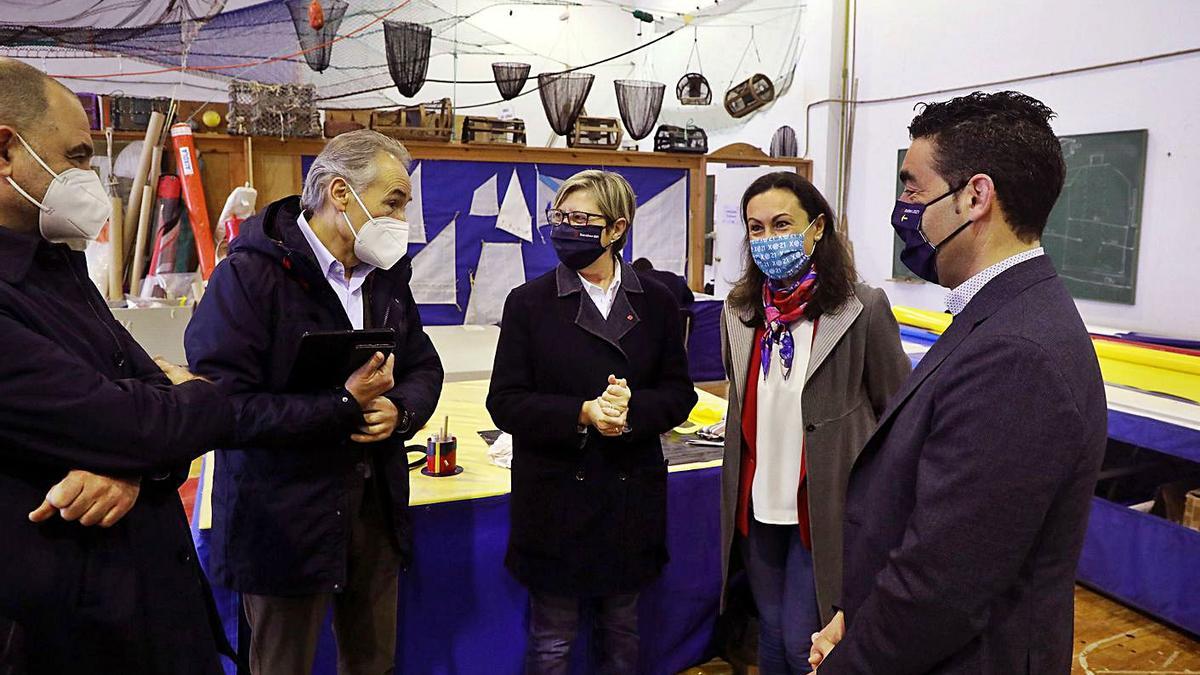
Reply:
x=415, y=211
x=547, y=187
x=434, y=281
x=484, y=202
x=660, y=229
x=514, y=214
x=501, y=269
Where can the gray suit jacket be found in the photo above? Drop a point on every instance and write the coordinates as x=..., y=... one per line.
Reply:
x=857, y=363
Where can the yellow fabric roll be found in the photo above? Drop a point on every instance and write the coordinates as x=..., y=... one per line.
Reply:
x=1122, y=364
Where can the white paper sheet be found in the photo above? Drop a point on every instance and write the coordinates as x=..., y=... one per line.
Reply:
x=660, y=229
x=415, y=211
x=434, y=280
x=514, y=214
x=501, y=269
x=485, y=202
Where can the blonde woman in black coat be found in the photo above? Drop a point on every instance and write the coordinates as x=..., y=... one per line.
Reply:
x=590, y=369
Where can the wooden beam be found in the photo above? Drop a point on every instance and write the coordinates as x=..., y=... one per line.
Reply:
x=744, y=154
x=245, y=152
x=697, y=199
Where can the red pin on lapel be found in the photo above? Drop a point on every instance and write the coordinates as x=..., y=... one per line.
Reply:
x=629, y=317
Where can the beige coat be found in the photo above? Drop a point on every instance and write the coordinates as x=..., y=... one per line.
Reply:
x=857, y=363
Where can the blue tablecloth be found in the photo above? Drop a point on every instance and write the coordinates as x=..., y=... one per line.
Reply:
x=704, y=343
x=462, y=612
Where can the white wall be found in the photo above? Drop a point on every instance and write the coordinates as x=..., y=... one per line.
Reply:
x=818, y=77
x=905, y=48
x=932, y=44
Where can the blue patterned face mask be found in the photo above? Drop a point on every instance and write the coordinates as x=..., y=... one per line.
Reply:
x=781, y=258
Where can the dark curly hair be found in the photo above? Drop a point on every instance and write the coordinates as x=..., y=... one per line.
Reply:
x=1007, y=136
x=836, y=275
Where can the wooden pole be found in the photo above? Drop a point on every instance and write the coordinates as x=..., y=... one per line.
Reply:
x=116, y=251
x=133, y=208
x=135, y=275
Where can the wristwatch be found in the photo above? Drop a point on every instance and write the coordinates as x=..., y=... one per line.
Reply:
x=405, y=420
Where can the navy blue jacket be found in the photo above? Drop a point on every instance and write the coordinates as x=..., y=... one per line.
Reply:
x=76, y=392
x=966, y=510
x=281, y=521
x=589, y=512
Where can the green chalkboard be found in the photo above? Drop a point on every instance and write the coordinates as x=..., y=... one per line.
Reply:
x=1093, y=231
x=1095, y=227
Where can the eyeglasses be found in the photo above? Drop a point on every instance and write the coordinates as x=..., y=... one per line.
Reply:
x=573, y=218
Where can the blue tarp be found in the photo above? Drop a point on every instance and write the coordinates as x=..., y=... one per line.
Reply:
x=462, y=612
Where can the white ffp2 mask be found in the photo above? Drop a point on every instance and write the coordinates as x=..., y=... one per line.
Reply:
x=381, y=242
x=75, y=206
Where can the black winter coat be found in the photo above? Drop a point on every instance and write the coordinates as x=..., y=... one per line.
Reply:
x=281, y=516
x=588, y=512
x=77, y=392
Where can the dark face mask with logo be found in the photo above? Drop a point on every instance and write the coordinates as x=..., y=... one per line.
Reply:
x=578, y=247
x=920, y=254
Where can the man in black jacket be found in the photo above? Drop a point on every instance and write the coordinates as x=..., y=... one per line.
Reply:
x=102, y=576
x=310, y=501
x=966, y=511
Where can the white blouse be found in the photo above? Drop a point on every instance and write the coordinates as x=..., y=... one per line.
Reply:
x=780, y=434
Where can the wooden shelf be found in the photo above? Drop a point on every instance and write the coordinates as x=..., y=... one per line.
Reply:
x=273, y=165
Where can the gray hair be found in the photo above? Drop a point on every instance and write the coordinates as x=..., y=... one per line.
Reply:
x=350, y=156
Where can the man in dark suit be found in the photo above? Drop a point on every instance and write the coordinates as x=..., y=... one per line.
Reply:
x=98, y=572
x=966, y=510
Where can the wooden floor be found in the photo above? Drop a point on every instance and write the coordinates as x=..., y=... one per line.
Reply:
x=1110, y=639
x=1113, y=639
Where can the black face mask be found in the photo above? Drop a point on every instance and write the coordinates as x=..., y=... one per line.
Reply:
x=920, y=254
x=578, y=247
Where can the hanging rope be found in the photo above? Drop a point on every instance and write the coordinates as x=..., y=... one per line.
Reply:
x=738, y=68
x=695, y=52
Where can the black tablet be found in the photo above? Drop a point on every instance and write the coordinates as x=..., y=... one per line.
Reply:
x=327, y=358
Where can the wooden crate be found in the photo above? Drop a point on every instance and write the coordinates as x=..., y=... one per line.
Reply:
x=338, y=122
x=1191, y=510
x=597, y=133
x=671, y=138
x=433, y=122
x=132, y=113
x=493, y=131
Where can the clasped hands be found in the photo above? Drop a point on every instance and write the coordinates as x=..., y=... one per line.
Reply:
x=92, y=499
x=608, y=412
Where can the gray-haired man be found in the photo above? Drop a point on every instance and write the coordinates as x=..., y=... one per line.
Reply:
x=309, y=504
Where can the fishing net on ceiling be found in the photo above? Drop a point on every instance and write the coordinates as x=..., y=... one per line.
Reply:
x=256, y=43
x=73, y=19
x=510, y=78
x=563, y=95
x=407, y=54
x=317, y=23
x=783, y=143
x=640, y=102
